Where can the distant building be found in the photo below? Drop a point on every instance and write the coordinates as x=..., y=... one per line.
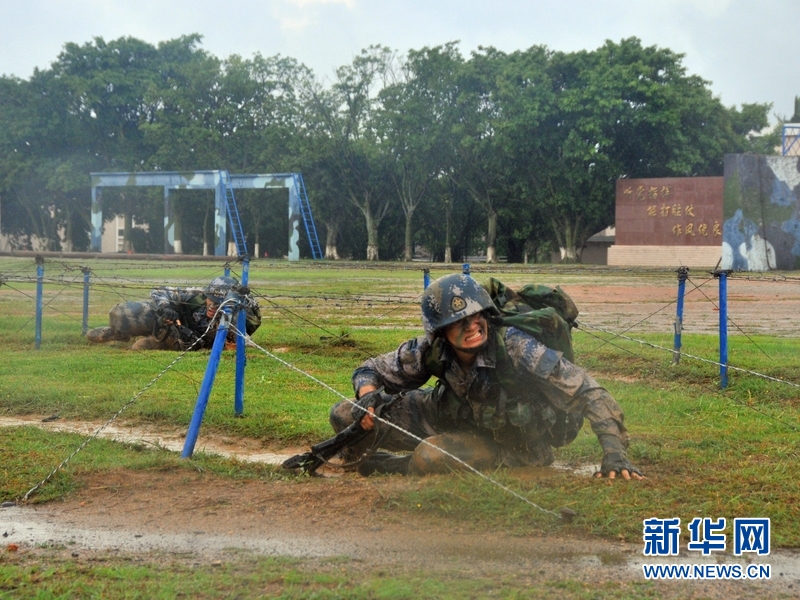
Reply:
x=595, y=252
x=113, y=237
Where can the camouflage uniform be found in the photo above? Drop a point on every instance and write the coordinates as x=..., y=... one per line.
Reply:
x=516, y=424
x=134, y=319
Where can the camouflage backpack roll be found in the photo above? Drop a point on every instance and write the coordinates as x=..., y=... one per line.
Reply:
x=546, y=313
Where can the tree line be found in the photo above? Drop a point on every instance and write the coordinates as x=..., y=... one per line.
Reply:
x=512, y=154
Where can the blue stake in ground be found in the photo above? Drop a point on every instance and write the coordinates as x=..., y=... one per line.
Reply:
x=723, y=326
x=241, y=358
x=39, y=283
x=232, y=307
x=86, y=271
x=683, y=274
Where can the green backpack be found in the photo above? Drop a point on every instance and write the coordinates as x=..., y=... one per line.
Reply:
x=546, y=313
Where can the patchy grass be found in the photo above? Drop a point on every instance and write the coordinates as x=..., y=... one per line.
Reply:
x=28, y=455
x=46, y=575
x=707, y=452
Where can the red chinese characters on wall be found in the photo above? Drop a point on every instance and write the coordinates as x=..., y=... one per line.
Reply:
x=674, y=211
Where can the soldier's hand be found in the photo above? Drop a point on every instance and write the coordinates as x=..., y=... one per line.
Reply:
x=616, y=463
x=170, y=316
x=367, y=422
x=364, y=408
x=625, y=474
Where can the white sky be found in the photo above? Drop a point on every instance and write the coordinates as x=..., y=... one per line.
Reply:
x=748, y=49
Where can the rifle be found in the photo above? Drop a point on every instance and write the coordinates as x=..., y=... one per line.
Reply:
x=309, y=462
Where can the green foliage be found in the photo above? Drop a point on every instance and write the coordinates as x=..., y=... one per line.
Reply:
x=518, y=151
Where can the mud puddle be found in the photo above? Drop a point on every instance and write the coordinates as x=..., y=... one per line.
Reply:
x=164, y=438
x=40, y=527
x=67, y=531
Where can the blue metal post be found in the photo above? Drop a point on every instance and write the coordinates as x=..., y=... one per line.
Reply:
x=426, y=278
x=208, y=383
x=85, y=299
x=683, y=274
x=466, y=269
x=227, y=271
x=39, y=279
x=723, y=328
x=241, y=357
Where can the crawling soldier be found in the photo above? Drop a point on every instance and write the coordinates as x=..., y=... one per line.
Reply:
x=502, y=397
x=173, y=319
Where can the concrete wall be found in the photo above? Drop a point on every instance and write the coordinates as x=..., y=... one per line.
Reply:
x=664, y=256
x=762, y=213
x=748, y=220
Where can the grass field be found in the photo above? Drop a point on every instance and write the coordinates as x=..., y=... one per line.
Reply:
x=707, y=452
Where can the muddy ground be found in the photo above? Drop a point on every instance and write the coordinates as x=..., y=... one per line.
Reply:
x=202, y=519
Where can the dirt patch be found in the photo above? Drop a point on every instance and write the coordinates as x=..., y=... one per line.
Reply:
x=167, y=438
x=204, y=519
x=755, y=306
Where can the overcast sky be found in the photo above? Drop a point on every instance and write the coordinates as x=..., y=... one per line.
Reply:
x=748, y=49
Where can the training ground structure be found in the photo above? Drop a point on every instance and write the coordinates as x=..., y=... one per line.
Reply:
x=223, y=183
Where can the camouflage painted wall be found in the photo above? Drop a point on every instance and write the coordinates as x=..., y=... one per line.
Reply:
x=762, y=213
x=673, y=211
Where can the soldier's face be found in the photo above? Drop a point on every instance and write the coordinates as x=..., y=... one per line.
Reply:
x=211, y=308
x=469, y=334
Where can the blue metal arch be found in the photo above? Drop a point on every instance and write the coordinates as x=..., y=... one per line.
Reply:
x=299, y=209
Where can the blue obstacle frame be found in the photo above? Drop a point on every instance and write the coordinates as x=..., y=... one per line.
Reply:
x=220, y=181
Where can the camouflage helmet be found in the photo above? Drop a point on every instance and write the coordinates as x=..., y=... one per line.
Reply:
x=219, y=288
x=452, y=298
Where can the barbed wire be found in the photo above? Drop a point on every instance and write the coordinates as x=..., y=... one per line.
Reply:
x=463, y=463
x=362, y=299
x=133, y=399
x=46, y=305
x=682, y=354
x=731, y=321
x=124, y=407
x=716, y=391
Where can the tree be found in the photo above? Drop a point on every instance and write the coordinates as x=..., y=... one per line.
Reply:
x=415, y=127
x=517, y=151
x=625, y=111
x=44, y=172
x=482, y=163
x=348, y=113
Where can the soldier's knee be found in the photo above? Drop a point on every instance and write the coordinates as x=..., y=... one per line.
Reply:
x=341, y=415
x=477, y=452
x=132, y=319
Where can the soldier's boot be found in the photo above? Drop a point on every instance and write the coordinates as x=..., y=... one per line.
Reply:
x=151, y=343
x=385, y=463
x=100, y=335
x=540, y=454
x=477, y=452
